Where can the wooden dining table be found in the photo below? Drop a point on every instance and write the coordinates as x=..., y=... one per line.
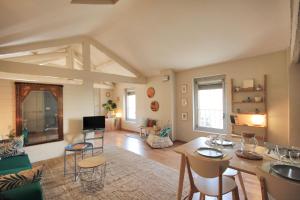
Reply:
x=241, y=164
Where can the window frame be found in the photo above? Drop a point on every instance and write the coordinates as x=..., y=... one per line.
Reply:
x=196, y=127
x=126, y=109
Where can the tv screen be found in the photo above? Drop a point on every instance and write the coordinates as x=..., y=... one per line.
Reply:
x=93, y=122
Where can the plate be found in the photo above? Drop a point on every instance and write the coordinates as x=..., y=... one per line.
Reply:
x=210, y=152
x=287, y=171
x=225, y=142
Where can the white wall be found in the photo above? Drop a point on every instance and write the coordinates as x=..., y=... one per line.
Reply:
x=162, y=95
x=274, y=65
x=78, y=101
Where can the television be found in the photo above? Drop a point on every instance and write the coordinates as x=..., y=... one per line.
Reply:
x=93, y=122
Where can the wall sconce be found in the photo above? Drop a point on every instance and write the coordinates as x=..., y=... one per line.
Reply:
x=258, y=120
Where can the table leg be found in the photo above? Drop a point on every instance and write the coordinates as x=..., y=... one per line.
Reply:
x=65, y=162
x=75, y=167
x=181, y=177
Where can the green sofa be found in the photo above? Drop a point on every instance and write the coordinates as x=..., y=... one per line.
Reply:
x=27, y=192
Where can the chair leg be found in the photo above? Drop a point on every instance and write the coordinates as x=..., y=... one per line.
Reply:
x=202, y=196
x=191, y=194
x=235, y=194
x=242, y=184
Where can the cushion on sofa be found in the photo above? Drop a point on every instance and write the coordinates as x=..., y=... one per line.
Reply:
x=27, y=192
x=15, y=180
x=14, y=164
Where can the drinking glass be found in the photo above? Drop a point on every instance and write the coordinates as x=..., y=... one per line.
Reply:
x=279, y=154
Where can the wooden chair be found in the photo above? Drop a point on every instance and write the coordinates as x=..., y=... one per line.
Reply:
x=210, y=180
x=277, y=187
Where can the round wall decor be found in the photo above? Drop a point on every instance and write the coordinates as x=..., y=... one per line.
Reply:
x=154, y=106
x=150, y=92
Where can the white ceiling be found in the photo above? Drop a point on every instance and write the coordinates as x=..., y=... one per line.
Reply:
x=152, y=35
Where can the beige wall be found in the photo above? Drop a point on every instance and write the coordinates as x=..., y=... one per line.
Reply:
x=274, y=65
x=78, y=101
x=294, y=102
x=7, y=106
x=143, y=111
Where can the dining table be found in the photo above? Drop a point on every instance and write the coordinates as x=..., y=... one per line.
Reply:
x=241, y=164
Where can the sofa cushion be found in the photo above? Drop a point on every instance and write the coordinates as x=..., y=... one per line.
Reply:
x=27, y=192
x=14, y=164
x=15, y=180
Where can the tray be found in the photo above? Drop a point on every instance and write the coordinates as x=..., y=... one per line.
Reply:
x=248, y=155
x=210, y=152
x=287, y=171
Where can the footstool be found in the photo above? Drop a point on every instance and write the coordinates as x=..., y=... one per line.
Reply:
x=92, y=173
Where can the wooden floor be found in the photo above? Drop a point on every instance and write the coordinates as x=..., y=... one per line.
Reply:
x=168, y=157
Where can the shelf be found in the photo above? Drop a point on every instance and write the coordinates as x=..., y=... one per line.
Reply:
x=247, y=90
x=245, y=125
x=240, y=102
x=249, y=113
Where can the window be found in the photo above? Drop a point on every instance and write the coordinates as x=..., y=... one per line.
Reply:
x=130, y=105
x=209, y=105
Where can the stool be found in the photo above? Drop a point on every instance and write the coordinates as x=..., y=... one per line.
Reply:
x=92, y=173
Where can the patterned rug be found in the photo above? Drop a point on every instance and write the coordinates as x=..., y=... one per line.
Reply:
x=128, y=177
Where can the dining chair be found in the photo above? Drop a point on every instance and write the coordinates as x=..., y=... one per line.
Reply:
x=210, y=180
x=275, y=187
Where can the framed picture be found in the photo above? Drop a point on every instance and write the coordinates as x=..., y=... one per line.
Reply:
x=183, y=88
x=184, y=116
x=248, y=83
x=184, y=102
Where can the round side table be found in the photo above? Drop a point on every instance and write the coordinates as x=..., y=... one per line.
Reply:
x=92, y=173
x=80, y=147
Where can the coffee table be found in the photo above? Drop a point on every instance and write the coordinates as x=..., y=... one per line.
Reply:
x=80, y=147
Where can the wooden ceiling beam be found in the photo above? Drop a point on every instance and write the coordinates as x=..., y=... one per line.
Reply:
x=96, y=77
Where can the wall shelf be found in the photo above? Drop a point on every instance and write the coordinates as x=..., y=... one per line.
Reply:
x=239, y=102
x=241, y=107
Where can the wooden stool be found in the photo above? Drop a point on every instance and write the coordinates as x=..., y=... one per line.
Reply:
x=92, y=173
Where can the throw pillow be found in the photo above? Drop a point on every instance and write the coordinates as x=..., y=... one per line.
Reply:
x=18, y=142
x=11, y=181
x=7, y=150
x=165, y=132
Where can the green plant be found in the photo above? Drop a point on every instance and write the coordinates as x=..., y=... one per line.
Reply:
x=109, y=106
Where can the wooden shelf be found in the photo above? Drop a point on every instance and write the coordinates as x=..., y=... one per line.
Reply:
x=249, y=113
x=239, y=102
x=245, y=125
x=249, y=108
x=246, y=90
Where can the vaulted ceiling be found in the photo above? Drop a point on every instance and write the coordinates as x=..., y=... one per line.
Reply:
x=152, y=35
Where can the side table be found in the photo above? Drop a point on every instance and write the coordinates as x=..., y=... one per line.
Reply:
x=80, y=147
x=92, y=173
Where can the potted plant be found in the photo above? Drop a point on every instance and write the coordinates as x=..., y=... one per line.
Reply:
x=109, y=107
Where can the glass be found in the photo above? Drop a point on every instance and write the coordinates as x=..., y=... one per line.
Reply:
x=280, y=154
x=248, y=142
x=40, y=122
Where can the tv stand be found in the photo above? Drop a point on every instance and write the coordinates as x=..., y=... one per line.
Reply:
x=95, y=138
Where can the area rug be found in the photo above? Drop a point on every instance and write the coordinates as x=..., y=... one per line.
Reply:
x=128, y=177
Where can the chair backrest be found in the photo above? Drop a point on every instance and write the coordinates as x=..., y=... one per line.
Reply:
x=207, y=167
x=279, y=188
